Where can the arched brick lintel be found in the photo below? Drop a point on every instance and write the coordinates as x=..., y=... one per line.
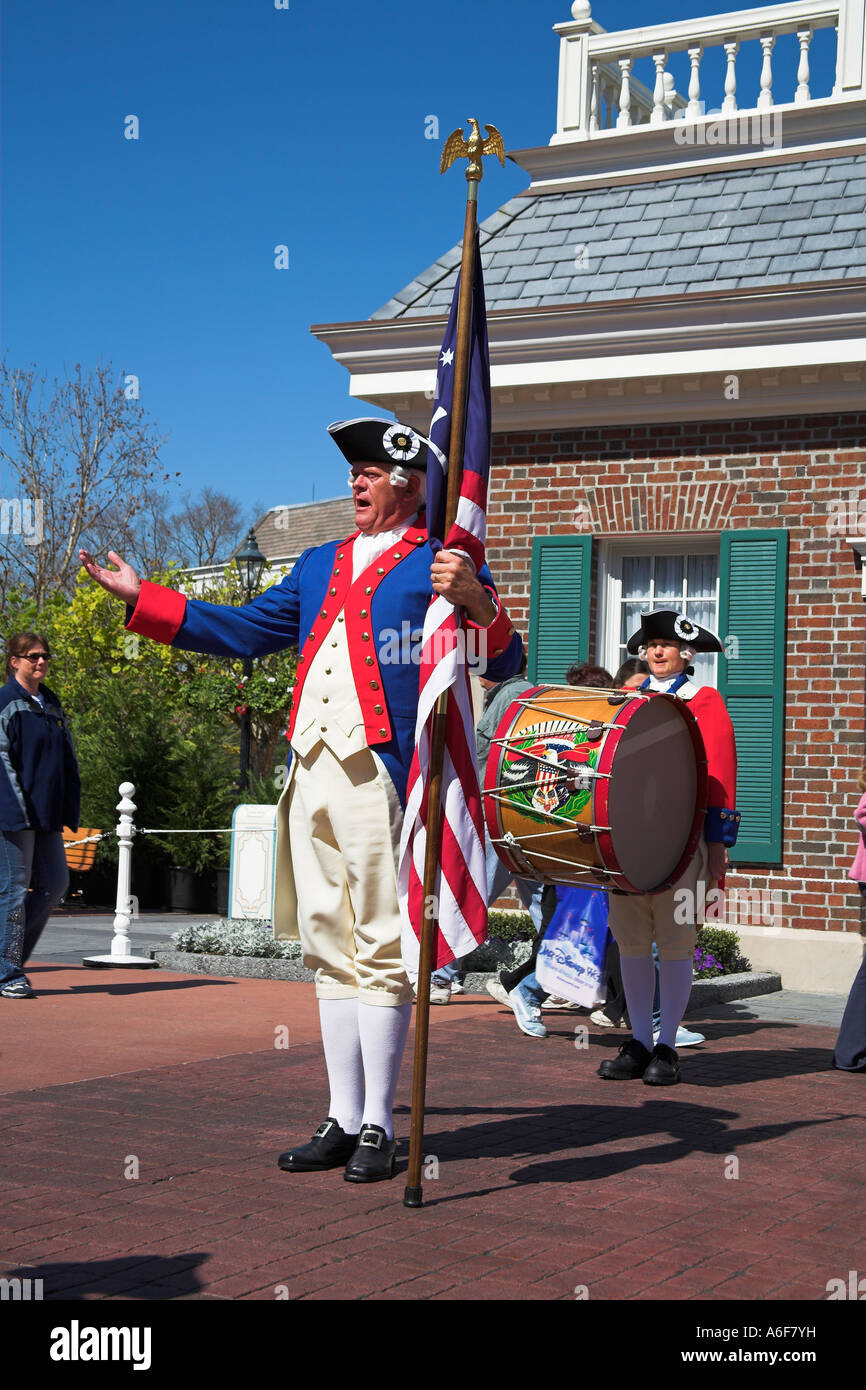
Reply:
x=640, y=507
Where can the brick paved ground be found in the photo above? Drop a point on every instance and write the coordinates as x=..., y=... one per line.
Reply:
x=549, y=1179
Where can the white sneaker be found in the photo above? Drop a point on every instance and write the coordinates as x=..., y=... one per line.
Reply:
x=440, y=994
x=457, y=987
x=555, y=1001
x=495, y=987
x=601, y=1019
x=684, y=1038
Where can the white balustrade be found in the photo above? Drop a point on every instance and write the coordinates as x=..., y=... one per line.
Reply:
x=767, y=44
x=659, y=115
x=730, y=102
x=600, y=94
x=623, y=120
x=695, y=107
x=802, y=94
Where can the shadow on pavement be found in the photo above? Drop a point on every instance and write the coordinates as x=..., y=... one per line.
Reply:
x=131, y=1276
x=693, y=1129
x=147, y=982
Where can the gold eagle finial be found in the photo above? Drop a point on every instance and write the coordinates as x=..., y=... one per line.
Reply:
x=472, y=149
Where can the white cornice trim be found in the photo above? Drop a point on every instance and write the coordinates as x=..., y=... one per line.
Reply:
x=732, y=319
x=622, y=367
x=644, y=399
x=646, y=154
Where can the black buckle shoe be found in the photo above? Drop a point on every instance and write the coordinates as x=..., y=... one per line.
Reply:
x=329, y=1147
x=373, y=1159
x=630, y=1065
x=663, y=1068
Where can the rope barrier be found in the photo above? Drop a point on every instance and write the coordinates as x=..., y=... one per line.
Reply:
x=141, y=831
x=88, y=840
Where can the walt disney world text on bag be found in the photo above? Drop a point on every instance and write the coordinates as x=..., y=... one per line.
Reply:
x=571, y=958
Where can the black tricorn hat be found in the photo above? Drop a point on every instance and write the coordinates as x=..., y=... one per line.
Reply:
x=384, y=442
x=671, y=626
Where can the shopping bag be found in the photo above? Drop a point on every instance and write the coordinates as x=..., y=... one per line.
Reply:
x=571, y=958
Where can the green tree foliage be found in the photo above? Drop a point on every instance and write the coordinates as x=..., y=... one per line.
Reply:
x=166, y=720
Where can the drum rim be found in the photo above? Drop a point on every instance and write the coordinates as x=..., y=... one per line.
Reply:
x=604, y=841
x=693, y=728
x=492, y=816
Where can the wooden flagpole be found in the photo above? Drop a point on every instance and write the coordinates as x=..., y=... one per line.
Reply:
x=473, y=150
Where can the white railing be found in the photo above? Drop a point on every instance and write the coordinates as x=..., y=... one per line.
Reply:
x=599, y=95
x=260, y=896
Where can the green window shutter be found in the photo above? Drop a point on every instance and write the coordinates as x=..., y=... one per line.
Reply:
x=559, y=606
x=753, y=567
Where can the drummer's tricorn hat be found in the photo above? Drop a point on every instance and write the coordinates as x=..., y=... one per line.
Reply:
x=385, y=442
x=671, y=626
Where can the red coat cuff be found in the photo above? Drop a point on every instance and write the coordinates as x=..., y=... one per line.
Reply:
x=158, y=613
x=499, y=633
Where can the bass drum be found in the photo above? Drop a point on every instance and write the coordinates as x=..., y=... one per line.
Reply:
x=605, y=788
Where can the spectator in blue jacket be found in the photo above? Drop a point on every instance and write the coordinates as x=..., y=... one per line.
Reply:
x=40, y=792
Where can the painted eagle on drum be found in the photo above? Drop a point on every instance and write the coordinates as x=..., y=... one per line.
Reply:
x=548, y=770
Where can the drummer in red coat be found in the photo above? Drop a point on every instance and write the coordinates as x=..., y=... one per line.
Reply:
x=668, y=640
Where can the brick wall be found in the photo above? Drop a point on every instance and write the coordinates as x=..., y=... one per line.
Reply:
x=806, y=474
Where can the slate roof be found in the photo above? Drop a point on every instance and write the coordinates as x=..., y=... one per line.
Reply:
x=283, y=532
x=717, y=231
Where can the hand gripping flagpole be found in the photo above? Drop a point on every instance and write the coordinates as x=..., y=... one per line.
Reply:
x=473, y=150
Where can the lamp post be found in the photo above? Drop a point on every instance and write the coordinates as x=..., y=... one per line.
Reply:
x=250, y=562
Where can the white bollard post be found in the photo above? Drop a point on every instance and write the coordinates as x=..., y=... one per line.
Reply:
x=121, y=946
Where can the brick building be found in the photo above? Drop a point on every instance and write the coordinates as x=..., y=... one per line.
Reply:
x=676, y=315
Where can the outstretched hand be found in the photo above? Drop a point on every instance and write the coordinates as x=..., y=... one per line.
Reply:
x=123, y=582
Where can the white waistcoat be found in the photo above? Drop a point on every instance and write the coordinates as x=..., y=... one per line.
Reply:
x=329, y=710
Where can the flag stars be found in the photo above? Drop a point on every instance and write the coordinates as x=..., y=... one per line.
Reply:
x=447, y=357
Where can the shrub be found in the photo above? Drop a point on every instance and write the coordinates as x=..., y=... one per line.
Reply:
x=235, y=937
x=510, y=926
x=723, y=946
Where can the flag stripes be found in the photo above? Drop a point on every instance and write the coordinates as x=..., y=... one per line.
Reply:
x=460, y=893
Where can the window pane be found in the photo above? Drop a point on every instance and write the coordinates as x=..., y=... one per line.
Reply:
x=669, y=571
x=687, y=583
x=702, y=572
x=636, y=576
x=703, y=611
x=630, y=623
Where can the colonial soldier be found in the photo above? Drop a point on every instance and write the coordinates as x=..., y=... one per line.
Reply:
x=668, y=640
x=351, y=731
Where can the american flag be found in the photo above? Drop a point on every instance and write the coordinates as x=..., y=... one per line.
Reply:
x=461, y=884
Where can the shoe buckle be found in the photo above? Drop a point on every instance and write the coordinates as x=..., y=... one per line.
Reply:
x=371, y=1140
x=323, y=1129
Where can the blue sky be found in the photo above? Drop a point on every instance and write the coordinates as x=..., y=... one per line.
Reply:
x=258, y=127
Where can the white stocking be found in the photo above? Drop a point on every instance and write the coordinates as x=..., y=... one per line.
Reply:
x=639, y=983
x=383, y=1037
x=340, y=1038
x=675, y=986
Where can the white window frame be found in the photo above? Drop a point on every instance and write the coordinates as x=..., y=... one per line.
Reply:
x=609, y=588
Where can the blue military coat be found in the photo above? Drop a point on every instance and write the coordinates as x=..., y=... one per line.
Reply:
x=384, y=613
